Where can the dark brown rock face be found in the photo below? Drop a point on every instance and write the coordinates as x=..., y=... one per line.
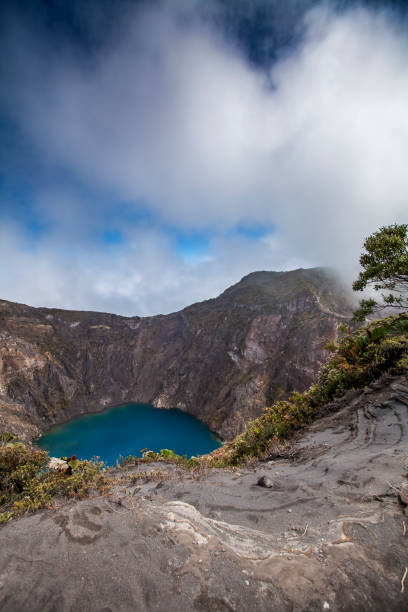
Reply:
x=221, y=360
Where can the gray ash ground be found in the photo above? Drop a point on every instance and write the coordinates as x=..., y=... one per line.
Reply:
x=331, y=533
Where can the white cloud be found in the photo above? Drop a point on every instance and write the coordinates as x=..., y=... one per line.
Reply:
x=172, y=115
x=141, y=279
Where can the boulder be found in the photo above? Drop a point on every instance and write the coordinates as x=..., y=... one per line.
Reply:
x=264, y=481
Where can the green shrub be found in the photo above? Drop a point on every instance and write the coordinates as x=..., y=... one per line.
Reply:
x=360, y=358
x=6, y=437
x=26, y=484
x=166, y=456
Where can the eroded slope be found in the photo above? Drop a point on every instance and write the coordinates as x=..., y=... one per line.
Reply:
x=330, y=534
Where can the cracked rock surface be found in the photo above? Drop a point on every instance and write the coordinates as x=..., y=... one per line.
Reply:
x=330, y=534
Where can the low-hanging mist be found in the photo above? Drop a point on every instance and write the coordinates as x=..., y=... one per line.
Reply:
x=161, y=164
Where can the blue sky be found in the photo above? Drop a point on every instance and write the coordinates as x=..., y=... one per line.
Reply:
x=152, y=153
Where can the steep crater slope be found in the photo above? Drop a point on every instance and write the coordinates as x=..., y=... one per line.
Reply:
x=221, y=360
x=330, y=533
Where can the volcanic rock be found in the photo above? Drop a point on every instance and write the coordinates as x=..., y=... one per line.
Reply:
x=264, y=481
x=221, y=360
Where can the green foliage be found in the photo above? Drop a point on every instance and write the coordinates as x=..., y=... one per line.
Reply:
x=18, y=467
x=26, y=484
x=385, y=266
x=330, y=346
x=5, y=516
x=165, y=456
x=365, y=309
x=343, y=329
x=6, y=438
x=361, y=357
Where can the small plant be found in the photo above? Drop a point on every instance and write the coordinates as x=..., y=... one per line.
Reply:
x=125, y=461
x=6, y=438
x=4, y=517
x=330, y=346
x=134, y=478
x=168, y=454
x=157, y=475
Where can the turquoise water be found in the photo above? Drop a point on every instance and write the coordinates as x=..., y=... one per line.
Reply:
x=126, y=430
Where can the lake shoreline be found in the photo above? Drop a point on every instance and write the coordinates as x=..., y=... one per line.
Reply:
x=125, y=429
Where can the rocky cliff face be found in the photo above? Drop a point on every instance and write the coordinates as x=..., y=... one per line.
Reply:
x=221, y=360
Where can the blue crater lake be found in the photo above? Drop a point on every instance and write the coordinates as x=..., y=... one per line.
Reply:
x=126, y=430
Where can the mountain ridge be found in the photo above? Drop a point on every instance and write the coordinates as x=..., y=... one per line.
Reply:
x=221, y=360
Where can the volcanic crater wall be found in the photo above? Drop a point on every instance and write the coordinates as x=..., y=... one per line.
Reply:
x=221, y=360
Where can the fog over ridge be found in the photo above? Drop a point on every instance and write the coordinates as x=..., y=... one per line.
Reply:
x=169, y=131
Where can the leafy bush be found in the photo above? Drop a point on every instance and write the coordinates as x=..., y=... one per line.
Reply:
x=27, y=485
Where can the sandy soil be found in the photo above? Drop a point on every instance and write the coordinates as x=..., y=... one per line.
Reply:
x=330, y=533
